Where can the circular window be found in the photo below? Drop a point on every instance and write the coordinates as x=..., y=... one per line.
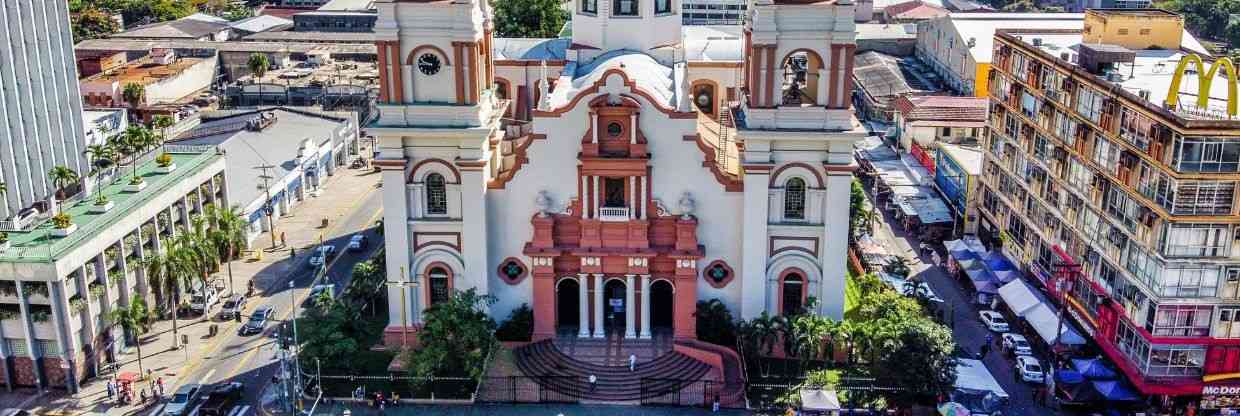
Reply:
x=718, y=274
x=512, y=270
x=614, y=129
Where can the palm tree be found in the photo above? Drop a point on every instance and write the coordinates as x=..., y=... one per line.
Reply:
x=258, y=66
x=134, y=320
x=898, y=266
x=135, y=139
x=162, y=123
x=101, y=156
x=133, y=94
x=62, y=177
x=867, y=218
x=228, y=234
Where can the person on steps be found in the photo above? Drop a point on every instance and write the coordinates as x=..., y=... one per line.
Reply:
x=593, y=382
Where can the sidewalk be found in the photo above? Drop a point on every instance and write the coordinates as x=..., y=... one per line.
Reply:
x=339, y=196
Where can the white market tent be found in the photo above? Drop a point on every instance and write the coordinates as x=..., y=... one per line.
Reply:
x=1046, y=323
x=972, y=375
x=1019, y=297
x=815, y=400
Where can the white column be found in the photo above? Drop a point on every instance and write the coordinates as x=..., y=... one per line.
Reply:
x=824, y=79
x=632, y=128
x=396, y=234
x=628, y=307
x=645, y=306
x=594, y=127
x=753, y=245
x=583, y=301
x=406, y=78
x=835, y=247
x=632, y=196
x=598, y=305
x=641, y=196
x=597, y=192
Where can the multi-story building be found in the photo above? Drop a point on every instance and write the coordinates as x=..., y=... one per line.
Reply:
x=1117, y=191
x=40, y=107
x=58, y=285
x=165, y=76
x=1079, y=6
x=713, y=12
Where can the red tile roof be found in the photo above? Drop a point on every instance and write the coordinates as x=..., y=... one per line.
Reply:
x=941, y=108
x=915, y=9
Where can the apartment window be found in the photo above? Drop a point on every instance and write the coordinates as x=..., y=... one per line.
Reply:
x=1106, y=154
x=1195, y=154
x=1228, y=323
x=1092, y=225
x=1089, y=103
x=1136, y=128
x=16, y=347
x=436, y=195
x=47, y=348
x=1132, y=344
x=1197, y=240
x=1176, y=361
x=1123, y=31
x=1194, y=282
x=1182, y=321
x=589, y=6
x=1029, y=104
x=794, y=199
x=1231, y=284
x=1122, y=207
x=1065, y=128
x=1156, y=185
x=1142, y=265
x=624, y=7
x=1204, y=197
x=1132, y=299
x=662, y=6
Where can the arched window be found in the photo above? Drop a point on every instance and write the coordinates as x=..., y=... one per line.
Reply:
x=662, y=6
x=439, y=286
x=794, y=199
x=589, y=6
x=793, y=291
x=624, y=8
x=436, y=195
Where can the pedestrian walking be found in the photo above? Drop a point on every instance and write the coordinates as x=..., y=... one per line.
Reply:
x=985, y=350
x=990, y=339
x=632, y=362
x=282, y=243
x=111, y=389
x=160, y=382
x=714, y=407
x=593, y=382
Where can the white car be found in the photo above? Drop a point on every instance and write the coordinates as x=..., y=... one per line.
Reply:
x=322, y=255
x=202, y=301
x=993, y=320
x=1029, y=368
x=1016, y=344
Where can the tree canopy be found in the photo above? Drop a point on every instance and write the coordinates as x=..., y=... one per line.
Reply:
x=528, y=18
x=93, y=23
x=455, y=339
x=1211, y=19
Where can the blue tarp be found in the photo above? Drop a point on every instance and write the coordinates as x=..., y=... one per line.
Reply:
x=1093, y=368
x=1115, y=391
x=1066, y=376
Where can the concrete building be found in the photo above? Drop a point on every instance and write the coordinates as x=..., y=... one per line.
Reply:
x=882, y=78
x=894, y=40
x=301, y=148
x=581, y=203
x=93, y=62
x=911, y=12
x=1079, y=6
x=57, y=285
x=958, y=46
x=956, y=176
x=104, y=123
x=923, y=121
x=188, y=28
x=40, y=109
x=234, y=56
x=713, y=12
x=165, y=76
x=1116, y=189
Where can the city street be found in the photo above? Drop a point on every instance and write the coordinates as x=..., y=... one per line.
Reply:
x=349, y=202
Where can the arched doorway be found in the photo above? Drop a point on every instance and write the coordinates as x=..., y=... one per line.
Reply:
x=800, y=77
x=613, y=306
x=567, y=305
x=793, y=294
x=662, y=301
x=440, y=284
x=705, y=98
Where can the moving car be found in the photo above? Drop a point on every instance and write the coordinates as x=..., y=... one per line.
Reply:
x=257, y=322
x=358, y=242
x=1029, y=368
x=322, y=255
x=993, y=321
x=233, y=307
x=1016, y=344
x=183, y=400
x=201, y=301
x=221, y=398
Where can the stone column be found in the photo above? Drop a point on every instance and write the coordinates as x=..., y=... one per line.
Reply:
x=835, y=247
x=474, y=230
x=598, y=305
x=583, y=305
x=28, y=332
x=66, y=337
x=628, y=307
x=594, y=202
x=645, y=334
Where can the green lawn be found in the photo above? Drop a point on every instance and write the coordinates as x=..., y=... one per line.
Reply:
x=852, y=294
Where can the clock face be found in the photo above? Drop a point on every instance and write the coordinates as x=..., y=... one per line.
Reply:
x=428, y=64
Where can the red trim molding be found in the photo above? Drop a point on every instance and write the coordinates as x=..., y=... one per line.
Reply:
x=818, y=176
x=804, y=286
x=711, y=281
x=525, y=271
x=456, y=174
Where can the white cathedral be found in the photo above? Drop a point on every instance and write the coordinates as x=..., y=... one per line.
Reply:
x=613, y=177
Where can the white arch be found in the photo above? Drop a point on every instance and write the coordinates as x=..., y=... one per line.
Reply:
x=616, y=278
x=563, y=278
x=424, y=169
x=664, y=279
x=811, y=178
x=431, y=255
x=784, y=261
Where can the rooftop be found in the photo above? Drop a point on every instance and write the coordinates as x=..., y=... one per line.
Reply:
x=713, y=43
x=942, y=108
x=284, y=36
x=886, y=31
x=969, y=158
x=1131, y=12
x=145, y=71
x=338, y=72
x=885, y=77
x=649, y=75
x=39, y=245
x=915, y=9
x=354, y=5
x=1151, y=71
x=261, y=23
x=534, y=49
x=255, y=46
x=879, y=5
x=185, y=28
x=981, y=28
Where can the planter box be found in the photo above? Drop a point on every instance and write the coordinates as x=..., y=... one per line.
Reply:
x=166, y=169
x=135, y=188
x=64, y=232
x=99, y=209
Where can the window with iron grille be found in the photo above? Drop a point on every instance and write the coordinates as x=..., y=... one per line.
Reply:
x=794, y=199
x=436, y=195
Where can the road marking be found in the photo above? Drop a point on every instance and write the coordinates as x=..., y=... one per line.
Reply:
x=206, y=376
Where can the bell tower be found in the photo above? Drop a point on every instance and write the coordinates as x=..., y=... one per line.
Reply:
x=799, y=59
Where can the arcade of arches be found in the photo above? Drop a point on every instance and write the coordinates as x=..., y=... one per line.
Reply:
x=631, y=306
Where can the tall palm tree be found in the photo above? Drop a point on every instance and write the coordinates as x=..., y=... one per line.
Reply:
x=134, y=319
x=162, y=123
x=62, y=177
x=258, y=65
x=133, y=94
x=102, y=156
x=134, y=140
x=228, y=234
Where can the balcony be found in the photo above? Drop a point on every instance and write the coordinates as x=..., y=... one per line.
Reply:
x=613, y=214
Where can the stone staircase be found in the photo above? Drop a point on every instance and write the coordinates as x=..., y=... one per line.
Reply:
x=556, y=371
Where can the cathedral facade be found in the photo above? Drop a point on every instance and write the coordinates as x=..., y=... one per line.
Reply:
x=614, y=176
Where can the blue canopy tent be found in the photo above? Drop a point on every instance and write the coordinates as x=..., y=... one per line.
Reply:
x=1115, y=391
x=1093, y=368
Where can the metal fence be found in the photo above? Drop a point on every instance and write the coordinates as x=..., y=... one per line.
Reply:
x=522, y=389
x=677, y=392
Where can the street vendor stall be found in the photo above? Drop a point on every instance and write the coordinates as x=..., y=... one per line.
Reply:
x=977, y=389
x=819, y=402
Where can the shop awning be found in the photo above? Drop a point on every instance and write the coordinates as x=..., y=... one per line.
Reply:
x=1093, y=368
x=972, y=375
x=1115, y=391
x=1019, y=297
x=1045, y=322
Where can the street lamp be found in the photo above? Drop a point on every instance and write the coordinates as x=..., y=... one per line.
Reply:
x=403, y=284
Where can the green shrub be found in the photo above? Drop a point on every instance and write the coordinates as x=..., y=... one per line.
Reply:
x=164, y=160
x=519, y=326
x=62, y=221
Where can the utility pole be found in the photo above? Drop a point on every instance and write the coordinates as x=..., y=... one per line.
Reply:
x=268, y=209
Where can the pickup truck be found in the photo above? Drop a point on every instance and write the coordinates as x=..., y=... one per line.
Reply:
x=220, y=399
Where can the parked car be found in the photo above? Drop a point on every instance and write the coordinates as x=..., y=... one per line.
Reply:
x=257, y=322
x=233, y=307
x=202, y=300
x=358, y=242
x=993, y=320
x=316, y=291
x=182, y=400
x=1029, y=368
x=221, y=398
x=322, y=255
x=1016, y=344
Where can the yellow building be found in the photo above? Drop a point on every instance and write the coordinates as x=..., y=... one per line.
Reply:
x=1134, y=29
